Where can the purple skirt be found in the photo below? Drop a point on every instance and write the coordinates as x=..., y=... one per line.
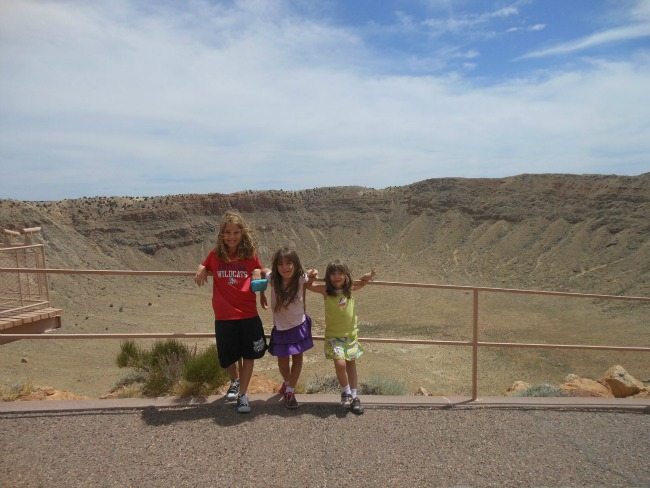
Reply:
x=292, y=341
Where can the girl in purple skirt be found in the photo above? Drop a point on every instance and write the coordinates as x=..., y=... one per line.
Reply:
x=291, y=334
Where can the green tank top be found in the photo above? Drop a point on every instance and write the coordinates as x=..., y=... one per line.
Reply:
x=340, y=317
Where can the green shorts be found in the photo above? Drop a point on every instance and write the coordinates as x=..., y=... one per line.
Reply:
x=347, y=348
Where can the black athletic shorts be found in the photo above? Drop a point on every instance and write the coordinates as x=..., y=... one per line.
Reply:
x=236, y=339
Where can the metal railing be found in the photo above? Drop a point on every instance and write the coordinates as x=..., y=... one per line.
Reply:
x=474, y=343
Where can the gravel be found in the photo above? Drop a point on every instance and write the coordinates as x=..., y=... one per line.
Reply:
x=321, y=446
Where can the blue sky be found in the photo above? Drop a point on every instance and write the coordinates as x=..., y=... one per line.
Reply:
x=154, y=98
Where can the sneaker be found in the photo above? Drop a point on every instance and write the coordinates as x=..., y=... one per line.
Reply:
x=356, y=407
x=290, y=400
x=242, y=404
x=346, y=400
x=233, y=391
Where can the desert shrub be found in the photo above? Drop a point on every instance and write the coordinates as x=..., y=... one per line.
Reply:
x=129, y=356
x=378, y=385
x=130, y=379
x=168, y=354
x=16, y=391
x=171, y=367
x=203, y=367
x=543, y=390
x=323, y=384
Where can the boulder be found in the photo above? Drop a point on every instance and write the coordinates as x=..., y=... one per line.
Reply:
x=422, y=392
x=645, y=393
x=622, y=383
x=584, y=387
x=516, y=387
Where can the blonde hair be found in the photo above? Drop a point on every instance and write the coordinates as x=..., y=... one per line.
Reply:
x=247, y=247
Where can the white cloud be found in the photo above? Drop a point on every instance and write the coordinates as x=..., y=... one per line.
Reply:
x=110, y=100
x=468, y=22
x=605, y=37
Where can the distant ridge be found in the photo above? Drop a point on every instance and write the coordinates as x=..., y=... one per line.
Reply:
x=571, y=232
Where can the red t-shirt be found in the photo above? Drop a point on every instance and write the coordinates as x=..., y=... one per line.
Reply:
x=232, y=298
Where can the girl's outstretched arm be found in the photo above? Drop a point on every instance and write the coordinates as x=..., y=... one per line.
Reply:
x=364, y=280
x=201, y=275
x=312, y=274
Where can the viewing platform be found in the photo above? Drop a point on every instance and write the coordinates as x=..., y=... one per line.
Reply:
x=24, y=296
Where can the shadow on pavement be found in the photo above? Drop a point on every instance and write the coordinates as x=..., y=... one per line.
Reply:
x=224, y=414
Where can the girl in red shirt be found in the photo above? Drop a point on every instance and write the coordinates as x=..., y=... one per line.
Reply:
x=238, y=327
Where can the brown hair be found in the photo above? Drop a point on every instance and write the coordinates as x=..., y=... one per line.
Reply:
x=333, y=267
x=247, y=247
x=284, y=296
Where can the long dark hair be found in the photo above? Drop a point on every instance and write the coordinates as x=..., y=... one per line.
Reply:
x=284, y=296
x=333, y=267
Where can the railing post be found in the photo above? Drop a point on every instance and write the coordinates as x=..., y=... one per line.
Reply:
x=20, y=279
x=44, y=281
x=475, y=346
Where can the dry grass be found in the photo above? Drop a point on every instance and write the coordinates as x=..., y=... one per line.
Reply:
x=16, y=391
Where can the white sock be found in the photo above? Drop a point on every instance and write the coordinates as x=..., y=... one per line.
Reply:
x=354, y=392
x=347, y=390
x=290, y=390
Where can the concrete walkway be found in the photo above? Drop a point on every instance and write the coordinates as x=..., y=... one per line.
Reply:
x=399, y=441
x=369, y=401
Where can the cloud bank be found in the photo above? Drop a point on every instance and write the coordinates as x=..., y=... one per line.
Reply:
x=116, y=98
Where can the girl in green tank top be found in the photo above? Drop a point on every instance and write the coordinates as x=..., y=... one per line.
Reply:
x=341, y=341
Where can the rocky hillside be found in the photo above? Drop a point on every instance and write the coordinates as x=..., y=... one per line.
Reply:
x=568, y=232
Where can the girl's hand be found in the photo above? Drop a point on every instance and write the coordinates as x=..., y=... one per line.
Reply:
x=201, y=275
x=369, y=276
x=263, y=302
x=364, y=280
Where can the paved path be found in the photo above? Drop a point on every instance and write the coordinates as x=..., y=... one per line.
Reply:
x=439, y=443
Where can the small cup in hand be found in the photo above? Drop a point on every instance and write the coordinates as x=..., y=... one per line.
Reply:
x=259, y=285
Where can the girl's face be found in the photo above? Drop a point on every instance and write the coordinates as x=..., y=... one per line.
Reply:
x=232, y=235
x=338, y=279
x=286, y=269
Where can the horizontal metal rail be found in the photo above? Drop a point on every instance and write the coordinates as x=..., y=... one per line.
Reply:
x=474, y=343
x=106, y=272
x=380, y=340
x=126, y=272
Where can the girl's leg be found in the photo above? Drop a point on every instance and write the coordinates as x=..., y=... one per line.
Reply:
x=285, y=369
x=351, y=370
x=296, y=368
x=245, y=375
x=233, y=374
x=341, y=372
